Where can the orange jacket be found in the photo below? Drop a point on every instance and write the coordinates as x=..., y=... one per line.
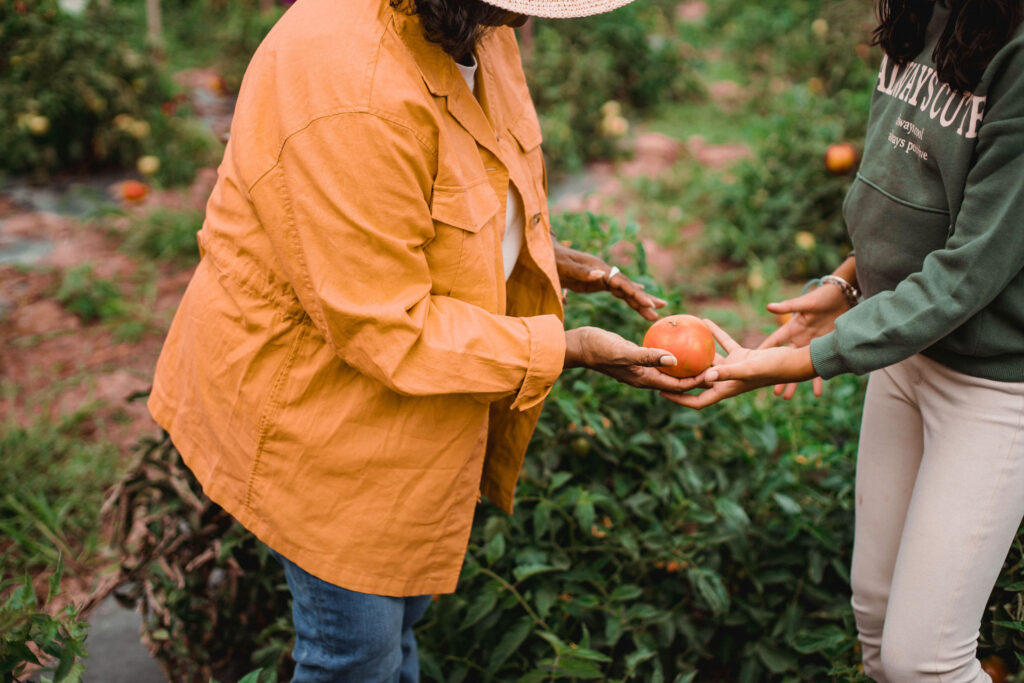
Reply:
x=348, y=369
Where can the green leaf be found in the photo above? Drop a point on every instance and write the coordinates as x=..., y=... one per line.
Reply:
x=495, y=548
x=251, y=677
x=73, y=674
x=558, y=480
x=525, y=571
x=509, y=643
x=560, y=646
x=816, y=566
x=787, y=504
x=824, y=638
x=1012, y=625
x=776, y=660
x=578, y=668
x=626, y=592
x=544, y=598
x=588, y=654
x=542, y=519
x=710, y=587
x=732, y=512
x=613, y=629
x=676, y=448
x=635, y=659
x=643, y=612
x=54, y=587
x=584, y=511
x=429, y=666
x=482, y=605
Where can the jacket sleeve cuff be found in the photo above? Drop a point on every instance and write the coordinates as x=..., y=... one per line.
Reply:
x=547, y=358
x=825, y=357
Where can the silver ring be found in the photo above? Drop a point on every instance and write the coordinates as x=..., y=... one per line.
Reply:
x=610, y=274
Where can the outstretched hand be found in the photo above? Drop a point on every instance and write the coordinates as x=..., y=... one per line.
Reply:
x=743, y=370
x=813, y=315
x=583, y=272
x=621, y=359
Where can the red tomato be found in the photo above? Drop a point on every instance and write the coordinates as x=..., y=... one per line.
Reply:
x=688, y=339
x=133, y=190
x=995, y=667
x=840, y=158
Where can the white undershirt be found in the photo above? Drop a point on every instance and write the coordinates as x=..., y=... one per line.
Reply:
x=515, y=216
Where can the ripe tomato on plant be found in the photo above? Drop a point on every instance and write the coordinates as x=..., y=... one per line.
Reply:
x=688, y=339
x=134, y=191
x=840, y=158
x=996, y=668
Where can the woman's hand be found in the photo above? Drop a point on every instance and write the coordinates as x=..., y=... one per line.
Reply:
x=813, y=315
x=582, y=272
x=743, y=370
x=608, y=353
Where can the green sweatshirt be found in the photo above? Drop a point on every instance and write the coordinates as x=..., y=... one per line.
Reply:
x=936, y=216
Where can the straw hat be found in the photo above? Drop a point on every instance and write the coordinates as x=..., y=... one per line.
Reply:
x=558, y=9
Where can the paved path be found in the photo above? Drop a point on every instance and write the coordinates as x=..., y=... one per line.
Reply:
x=116, y=654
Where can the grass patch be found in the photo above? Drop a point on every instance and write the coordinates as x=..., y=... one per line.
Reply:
x=165, y=235
x=88, y=296
x=51, y=491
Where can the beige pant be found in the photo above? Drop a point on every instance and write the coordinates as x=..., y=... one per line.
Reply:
x=940, y=496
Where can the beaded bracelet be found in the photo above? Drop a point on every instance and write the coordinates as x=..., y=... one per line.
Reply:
x=851, y=293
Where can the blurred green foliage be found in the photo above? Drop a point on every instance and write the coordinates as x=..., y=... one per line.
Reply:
x=164, y=235
x=632, y=58
x=88, y=296
x=782, y=204
x=77, y=92
x=218, y=34
x=810, y=74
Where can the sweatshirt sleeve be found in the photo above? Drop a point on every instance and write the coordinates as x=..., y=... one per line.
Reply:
x=980, y=258
x=347, y=208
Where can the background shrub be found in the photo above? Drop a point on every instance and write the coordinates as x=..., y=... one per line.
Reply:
x=810, y=73
x=781, y=204
x=79, y=92
x=633, y=57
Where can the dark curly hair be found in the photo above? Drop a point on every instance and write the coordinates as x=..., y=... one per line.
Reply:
x=976, y=30
x=455, y=25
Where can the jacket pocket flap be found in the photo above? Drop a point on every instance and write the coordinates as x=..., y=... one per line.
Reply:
x=526, y=130
x=468, y=208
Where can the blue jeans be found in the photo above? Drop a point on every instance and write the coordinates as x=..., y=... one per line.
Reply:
x=342, y=636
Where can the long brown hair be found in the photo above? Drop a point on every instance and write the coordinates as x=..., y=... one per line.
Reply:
x=976, y=30
x=455, y=25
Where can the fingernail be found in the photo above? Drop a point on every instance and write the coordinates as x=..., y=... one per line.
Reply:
x=595, y=274
x=711, y=376
x=668, y=360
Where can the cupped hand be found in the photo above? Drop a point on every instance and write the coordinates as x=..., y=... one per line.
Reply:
x=743, y=370
x=582, y=272
x=813, y=315
x=621, y=359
